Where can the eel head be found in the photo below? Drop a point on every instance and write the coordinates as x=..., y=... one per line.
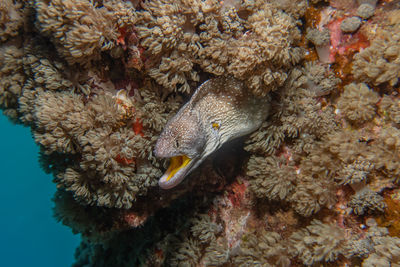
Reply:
x=183, y=141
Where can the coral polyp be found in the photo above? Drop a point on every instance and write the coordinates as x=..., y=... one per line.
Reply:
x=313, y=180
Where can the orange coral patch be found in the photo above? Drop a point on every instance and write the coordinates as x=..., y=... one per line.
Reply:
x=138, y=127
x=135, y=220
x=358, y=41
x=313, y=17
x=123, y=160
x=390, y=218
x=236, y=193
x=121, y=37
x=159, y=253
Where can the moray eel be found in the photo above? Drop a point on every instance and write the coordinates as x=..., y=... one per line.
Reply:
x=220, y=110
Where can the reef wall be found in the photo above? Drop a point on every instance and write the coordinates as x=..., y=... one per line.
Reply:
x=316, y=184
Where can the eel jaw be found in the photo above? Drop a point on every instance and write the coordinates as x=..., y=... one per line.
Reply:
x=179, y=167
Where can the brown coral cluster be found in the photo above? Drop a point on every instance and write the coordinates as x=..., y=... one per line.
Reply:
x=254, y=42
x=379, y=63
x=11, y=19
x=96, y=81
x=80, y=29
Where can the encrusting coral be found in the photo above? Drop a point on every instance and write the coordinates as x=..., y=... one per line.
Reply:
x=316, y=184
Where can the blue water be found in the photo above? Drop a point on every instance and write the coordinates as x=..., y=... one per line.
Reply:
x=30, y=236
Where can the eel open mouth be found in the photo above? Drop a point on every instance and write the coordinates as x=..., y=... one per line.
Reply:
x=177, y=170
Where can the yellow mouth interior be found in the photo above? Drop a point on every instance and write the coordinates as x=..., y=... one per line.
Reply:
x=176, y=164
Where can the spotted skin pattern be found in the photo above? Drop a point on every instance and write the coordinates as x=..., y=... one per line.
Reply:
x=220, y=110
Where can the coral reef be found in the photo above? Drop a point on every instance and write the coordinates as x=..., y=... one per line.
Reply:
x=350, y=24
x=11, y=19
x=267, y=248
x=273, y=178
x=12, y=79
x=258, y=50
x=80, y=29
x=365, y=11
x=316, y=184
x=382, y=248
x=357, y=102
x=378, y=63
x=318, y=242
x=366, y=200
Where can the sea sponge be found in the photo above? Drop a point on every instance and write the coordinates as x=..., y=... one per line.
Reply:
x=272, y=177
x=357, y=102
x=366, y=201
x=11, y=18
x=263, y=249
x=81, y=30
x=318, y=242
x=379, y=63
x=12, y=79
x=180, y=36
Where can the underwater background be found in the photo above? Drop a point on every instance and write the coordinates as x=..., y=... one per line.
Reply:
x=97, y=83
x=30, y=234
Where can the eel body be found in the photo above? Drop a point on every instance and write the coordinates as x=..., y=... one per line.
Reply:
x=220, y=110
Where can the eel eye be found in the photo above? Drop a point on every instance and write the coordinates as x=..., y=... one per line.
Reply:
x=215, y=126
x=176, y=143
